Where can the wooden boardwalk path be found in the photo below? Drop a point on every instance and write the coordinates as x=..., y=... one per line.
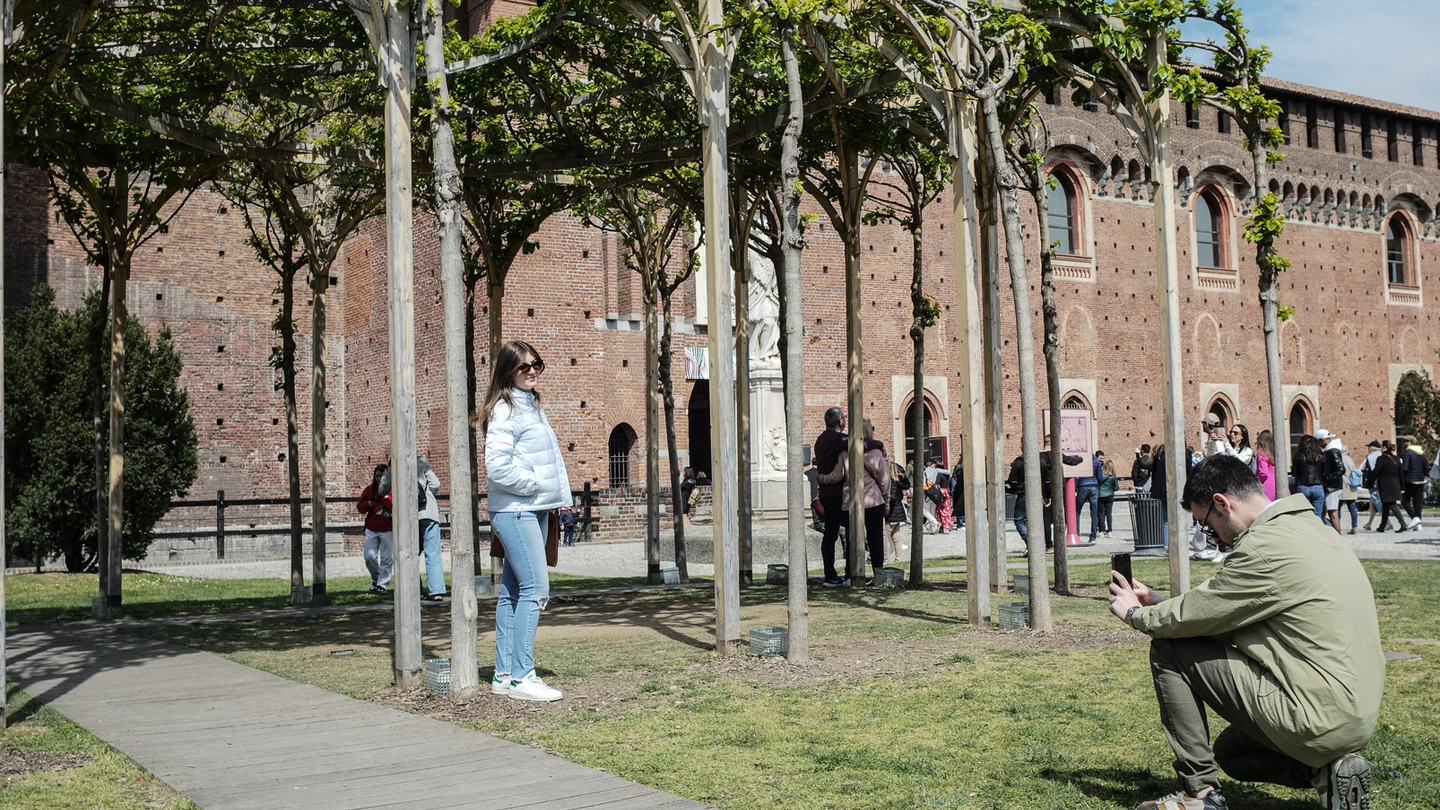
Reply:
x=233, y=738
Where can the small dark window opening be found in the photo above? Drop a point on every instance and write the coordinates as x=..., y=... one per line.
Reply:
x=1417, y=145
x=1192, y=115
x=1312, y=126
x=1340, y=131
x=622, y=440
x=1222, y=123
x=1395, y=251
x=1392, y=141
x=1367, y=141
x=1050, y=96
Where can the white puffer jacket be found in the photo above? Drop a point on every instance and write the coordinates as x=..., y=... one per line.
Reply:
x=522, y=458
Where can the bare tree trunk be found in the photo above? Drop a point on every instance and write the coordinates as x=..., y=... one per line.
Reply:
x=652, y=426
x=292, y=428
x=996, y=464
x=1052, y=385
x=464, y=613
x=917, y=430
x=115, y=503
x=740, y=253
x=1270, y=326
x=470, y=395
x=102, y=451
x=667, y=388
x=854, y=373
x=1040, y=618
x=495, y=291
x=320, y=279
x=792, y=242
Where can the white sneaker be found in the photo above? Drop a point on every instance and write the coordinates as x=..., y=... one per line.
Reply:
x=500, y=684
x=531, y=687
x=1414, y=524
x=1207, y=555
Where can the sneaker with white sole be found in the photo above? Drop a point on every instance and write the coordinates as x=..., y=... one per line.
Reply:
x=1180, y=800
x=531, y=687
x=1347, y=784
x=500, y=684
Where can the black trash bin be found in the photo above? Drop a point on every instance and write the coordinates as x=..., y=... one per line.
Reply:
x=1147, y=519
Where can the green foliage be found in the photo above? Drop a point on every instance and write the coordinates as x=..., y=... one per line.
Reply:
x=49, y=438
x=929, y=313
x=1284, y=312
x=1417, y=408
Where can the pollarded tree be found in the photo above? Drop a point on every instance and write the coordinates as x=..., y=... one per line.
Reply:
x=49, y=485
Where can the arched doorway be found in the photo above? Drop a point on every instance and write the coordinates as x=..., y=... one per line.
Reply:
x=698, y=418
x=1302, y=423
x=909, y=429
x=622, y=441
x=1221, y=410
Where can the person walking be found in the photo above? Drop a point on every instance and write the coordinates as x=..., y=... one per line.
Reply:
x=1367, y=469
x=1388, y=477
x=1415, y=467
x=957, y=493
x=1087, y=493
x=379, y=551
x=1142, y=468
x=1350, y=493
x=567, y=526
x=687, y=493
x=940, y=480
x=1109, y=483
x=1265, y=462
x=895, y=514
x=1333, y=477
x=874, y=494
x=527, y=476
x=1309, y=472
x=830, y=446
x=428, y=484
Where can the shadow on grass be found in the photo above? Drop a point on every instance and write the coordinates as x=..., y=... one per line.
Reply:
x=1128, y=787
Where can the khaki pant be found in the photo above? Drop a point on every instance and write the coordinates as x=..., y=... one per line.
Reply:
x=1193, y=673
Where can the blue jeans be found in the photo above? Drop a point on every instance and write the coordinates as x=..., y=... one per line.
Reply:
x=1022, y=525
x=1354, y=512
x=524, y=589
x=1316, y=496
x=434, y=566
x=1091, y=496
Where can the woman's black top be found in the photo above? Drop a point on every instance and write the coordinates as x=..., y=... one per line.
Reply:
x=1308, y=474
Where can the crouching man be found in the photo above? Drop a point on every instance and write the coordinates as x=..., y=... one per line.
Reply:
x=1282, y=642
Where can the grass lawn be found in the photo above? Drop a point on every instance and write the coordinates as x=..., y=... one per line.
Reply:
x=903, y=707
x=43, y=598
x=48, y=762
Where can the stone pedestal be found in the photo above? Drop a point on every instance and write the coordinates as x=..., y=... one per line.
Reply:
x=767, y=441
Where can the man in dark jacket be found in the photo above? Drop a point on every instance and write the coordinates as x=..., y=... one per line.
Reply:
x=1087, y=493
x=1015, y=485
x=828, y=448
x=1413, y=468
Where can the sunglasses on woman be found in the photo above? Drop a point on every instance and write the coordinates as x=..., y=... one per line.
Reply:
x=525, y=368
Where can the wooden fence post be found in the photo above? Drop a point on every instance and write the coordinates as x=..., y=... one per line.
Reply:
x=219, y=524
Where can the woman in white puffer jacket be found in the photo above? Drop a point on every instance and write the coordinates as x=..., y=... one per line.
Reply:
x=527, y=479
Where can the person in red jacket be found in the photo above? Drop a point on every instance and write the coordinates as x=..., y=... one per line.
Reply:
x=379, y=536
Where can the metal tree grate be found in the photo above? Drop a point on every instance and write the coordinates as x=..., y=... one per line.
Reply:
x=769, y=641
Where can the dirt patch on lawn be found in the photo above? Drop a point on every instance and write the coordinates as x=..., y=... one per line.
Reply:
x=17, y=762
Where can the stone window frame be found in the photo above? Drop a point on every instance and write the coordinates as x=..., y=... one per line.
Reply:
x=1407, y=292
x=1079, y=265
x=1219, y=279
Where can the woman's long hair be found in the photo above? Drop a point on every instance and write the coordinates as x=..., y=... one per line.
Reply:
x=1107, y=467
x=502, y=378
x=1265, y=444
x=1311, y=450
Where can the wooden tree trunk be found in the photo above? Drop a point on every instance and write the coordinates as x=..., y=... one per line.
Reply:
x=1040, y=618
x=292, y=430
x=116, y=501
x=917, y=429
x=739, y=252
x=471, y=382
x=495, y=291
x=854, y=372
x=667, y=389
x=318, y=392
x=99, y=415
x=997, y=461
x=464, y=612
x=652, y=426
x=1270, y=326
x=1052, y=386
x=792, y=242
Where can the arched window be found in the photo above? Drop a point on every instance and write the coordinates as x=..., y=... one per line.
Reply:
x=909, y=427
x=1209, y=229
x=622, y=439
x=1300, y=422
x=1220, y=410
x=1065, y=210
x=1074, y=403
x=1397, y=249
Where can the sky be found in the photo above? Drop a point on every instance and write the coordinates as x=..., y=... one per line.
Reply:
x=1383, y=49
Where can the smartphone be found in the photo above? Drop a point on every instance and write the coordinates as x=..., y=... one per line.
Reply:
x=1121, y=563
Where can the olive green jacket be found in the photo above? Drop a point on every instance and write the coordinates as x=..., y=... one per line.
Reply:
x=1294, y=599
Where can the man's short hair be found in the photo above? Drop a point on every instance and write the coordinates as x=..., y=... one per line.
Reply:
x=833, y=417
x=1144, y=448
x=1220, y=475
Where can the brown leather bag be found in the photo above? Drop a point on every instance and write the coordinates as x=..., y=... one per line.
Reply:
x=552, y=542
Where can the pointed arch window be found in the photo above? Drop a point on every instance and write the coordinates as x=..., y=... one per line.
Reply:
x=1395, y=249
x=1065, y=213
x=1402, y=262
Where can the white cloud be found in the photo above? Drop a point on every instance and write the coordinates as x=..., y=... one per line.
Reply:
x=1381, y=49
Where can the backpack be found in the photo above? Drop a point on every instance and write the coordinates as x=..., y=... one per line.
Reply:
x=933, y=493
x=1356, y=477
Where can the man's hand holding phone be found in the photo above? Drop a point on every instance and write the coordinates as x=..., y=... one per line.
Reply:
x=1127, y=594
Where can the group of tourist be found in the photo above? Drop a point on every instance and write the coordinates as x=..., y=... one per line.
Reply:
x=376, y=503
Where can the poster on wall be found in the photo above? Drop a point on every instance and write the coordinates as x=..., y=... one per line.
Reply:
x=1076, y=429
